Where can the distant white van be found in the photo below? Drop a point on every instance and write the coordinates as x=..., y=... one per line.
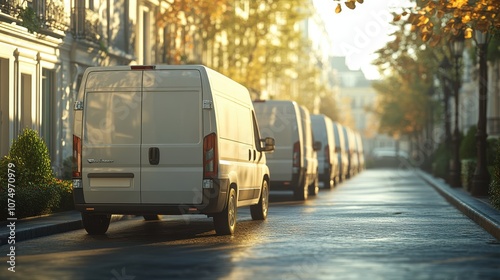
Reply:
x=281, y=120
x=350, y=146
x=328, y=169
x=167, y=139
x=310, y=151
x=340, y=149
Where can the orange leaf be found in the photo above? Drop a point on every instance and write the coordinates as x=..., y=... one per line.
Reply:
x=350, y=5
x=338, y=9
x=425, y=37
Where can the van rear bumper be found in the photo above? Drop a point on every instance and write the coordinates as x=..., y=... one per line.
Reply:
x=214, y=201
x=287, y=185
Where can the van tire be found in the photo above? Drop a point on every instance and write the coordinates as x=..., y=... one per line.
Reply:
x=301, y=192
x=259, y=211
x=314, y=187
x=331, y=182
x=151, y=217
x=225, y=221
x=96, y=224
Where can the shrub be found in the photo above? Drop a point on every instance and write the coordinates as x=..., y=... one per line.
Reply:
x=491, y=150
x=65, y=189
x=495, y=181
x=36, y=160
x=441, y=164
x=35, y=193
x=468, y=147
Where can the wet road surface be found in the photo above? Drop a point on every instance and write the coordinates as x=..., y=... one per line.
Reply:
x=381, y=224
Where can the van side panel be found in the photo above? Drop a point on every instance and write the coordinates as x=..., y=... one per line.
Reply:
x=236, y=150
x=111, y=138
x=172, y=132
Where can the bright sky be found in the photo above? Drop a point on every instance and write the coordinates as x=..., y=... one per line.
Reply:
x=357, y=34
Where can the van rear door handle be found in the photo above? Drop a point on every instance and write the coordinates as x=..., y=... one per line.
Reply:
x=154, y=156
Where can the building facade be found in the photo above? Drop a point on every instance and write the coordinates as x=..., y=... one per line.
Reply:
x=46, y=45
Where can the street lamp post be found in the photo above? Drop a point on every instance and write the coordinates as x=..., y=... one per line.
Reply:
x=445, y=66
x=481, y=178
x=455, y=168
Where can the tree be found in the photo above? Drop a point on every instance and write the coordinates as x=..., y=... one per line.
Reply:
x=188, y=23
x=351, y=4
x=409, y=67
x=455, y=16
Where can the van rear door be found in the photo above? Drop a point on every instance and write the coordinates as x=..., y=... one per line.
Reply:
x=112, y=137
x=172, y=146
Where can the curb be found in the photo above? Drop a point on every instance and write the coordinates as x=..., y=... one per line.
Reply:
x=477, y=210
x=49, y=229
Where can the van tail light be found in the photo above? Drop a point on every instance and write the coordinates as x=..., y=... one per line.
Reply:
x=77, y=162
x=327, y=153
x=296, y=154
x=210, y=156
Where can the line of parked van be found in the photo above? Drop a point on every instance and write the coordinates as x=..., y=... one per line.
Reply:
x=156, y=140
x=311, y=151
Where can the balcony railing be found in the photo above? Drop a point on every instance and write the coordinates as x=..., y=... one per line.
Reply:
x=37, y=16
x=85, y=24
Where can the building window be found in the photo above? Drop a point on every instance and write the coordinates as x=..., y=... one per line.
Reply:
x=4, y=107
x=26, y=121
x=48, y=91
x=146, y=31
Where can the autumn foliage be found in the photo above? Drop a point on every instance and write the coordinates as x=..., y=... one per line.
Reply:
x=431, y=19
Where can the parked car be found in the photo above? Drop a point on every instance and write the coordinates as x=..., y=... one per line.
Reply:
x=167, y=139
x=281, y=120
x=341, y=151
x=328, y=169
x=310, y=152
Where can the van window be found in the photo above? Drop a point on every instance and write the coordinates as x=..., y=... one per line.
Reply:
x=113, y=80
x=112, y=117
x=278, y=121
x=171, y=117
x=235, y=121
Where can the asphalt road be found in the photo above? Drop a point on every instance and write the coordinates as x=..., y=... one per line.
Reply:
x=381, y=224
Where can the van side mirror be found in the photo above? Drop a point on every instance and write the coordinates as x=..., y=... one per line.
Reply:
x=267, y=144
x=317, y=145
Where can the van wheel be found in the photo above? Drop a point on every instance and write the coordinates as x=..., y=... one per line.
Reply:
x=225, y=221
x=259, y=211
x=96, y=224
x=329, y=184
x=314, y=188
x=151, y=217
x=302, y=191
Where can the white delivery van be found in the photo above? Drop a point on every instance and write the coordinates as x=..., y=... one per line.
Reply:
x=167, y=139
x=281, y=120
x=340, y=149
x=310, y=149
x=350, y=146
x=328, y=169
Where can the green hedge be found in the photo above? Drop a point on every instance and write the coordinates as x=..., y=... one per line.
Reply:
x=495, y=180
x=468, y=147
x=441, y=163
x=36, y=191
